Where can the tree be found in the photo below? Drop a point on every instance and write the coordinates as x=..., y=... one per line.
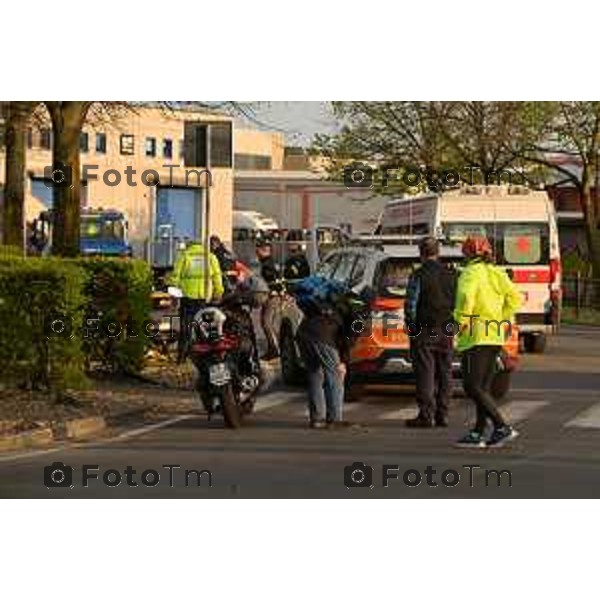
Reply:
x=569, y=130
x=470, y=139
x=396, y=134
x=17, y=115
x=67, y=120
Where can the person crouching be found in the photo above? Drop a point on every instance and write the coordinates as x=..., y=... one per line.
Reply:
x=324, y=349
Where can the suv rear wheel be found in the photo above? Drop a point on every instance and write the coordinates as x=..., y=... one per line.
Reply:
x=535, y=343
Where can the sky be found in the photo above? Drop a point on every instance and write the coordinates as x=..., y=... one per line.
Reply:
x=299, y=121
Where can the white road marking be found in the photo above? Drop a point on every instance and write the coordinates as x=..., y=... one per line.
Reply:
x=146, y=429
x=31, y=454
x=274, y=399
x=400, y=414
x=589, y=418
x=561, y=391
x=519, y=410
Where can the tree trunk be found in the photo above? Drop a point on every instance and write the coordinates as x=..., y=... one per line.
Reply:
x=590, y=223
x=13, y=211
x=67, y=119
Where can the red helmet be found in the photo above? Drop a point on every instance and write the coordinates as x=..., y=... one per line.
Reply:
x=477, y=246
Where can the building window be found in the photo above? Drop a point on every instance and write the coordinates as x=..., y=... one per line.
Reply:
x=29, y=138
x=167, y=148
x=127, y=144
x=46, y=139
x=181, y=148
x=100, y=143
x=150, y=146
x=204, y=138
x=221, y=145
x=84, y=142
x=252, y=162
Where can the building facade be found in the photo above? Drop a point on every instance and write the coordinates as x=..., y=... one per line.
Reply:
x=123, y=153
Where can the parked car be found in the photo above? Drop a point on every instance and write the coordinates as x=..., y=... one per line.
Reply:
x=381, y=353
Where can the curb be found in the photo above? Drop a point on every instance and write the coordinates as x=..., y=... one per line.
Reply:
x=41, y=437
x=77, y=429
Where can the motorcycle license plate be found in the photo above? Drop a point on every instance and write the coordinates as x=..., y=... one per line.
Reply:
x=218, y=374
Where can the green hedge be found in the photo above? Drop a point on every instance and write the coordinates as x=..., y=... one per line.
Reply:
x=106, y=291
x=118, y=296
x=33, y=292
x=10, y=252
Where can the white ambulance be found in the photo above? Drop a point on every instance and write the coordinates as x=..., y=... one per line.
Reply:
x=521, y=225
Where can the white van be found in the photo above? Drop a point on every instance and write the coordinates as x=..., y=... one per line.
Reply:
x=249, y=224
x=521, y=225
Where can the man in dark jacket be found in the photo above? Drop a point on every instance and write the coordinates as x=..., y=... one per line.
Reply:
x=324, y=348
x=270, y=272
x=225, y=257
x=296, y=265
x=428, y=312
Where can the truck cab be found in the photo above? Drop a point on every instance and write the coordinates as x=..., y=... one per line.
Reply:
x=103, y=232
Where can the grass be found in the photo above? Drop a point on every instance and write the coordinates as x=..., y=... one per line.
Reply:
x=586, y=316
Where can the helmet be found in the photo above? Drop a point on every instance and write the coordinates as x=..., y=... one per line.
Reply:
x=477, y=246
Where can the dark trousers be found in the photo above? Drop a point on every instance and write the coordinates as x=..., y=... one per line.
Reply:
x=268, y=316
x=479, y=368
x=188, y=308
x=432, y=362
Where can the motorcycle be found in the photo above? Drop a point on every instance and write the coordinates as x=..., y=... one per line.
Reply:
x=224, y=350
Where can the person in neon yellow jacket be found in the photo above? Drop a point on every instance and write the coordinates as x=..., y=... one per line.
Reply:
x=486, y=303
x=189, y=276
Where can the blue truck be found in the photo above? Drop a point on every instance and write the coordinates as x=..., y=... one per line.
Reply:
x=103, y=233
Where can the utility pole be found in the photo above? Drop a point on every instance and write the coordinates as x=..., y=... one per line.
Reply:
x=207, y=218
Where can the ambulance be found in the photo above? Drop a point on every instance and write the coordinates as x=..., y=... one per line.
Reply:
x=521, y=225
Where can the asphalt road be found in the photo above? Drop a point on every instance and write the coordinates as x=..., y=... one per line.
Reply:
x=555, y=403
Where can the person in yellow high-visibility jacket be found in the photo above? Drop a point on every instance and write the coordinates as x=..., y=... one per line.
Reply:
x=189, y=276
x=486, y=303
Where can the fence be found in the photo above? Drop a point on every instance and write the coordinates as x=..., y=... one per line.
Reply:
x=581, y=293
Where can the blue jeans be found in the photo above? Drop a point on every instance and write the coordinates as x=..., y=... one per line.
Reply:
x=325, y=385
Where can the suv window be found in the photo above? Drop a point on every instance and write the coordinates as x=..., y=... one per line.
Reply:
x=359, y=271
x=344, y=268
x=327, y=267
x=393, y=277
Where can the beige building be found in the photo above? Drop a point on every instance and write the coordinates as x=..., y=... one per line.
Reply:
x=295, y=193
x=121, y=152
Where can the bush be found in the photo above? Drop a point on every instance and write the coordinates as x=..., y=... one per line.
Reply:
x=10, y=252
x=118, y=302
x=32, y=293
x=112, y=293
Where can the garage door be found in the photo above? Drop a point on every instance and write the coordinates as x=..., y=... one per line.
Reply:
x=181, y=208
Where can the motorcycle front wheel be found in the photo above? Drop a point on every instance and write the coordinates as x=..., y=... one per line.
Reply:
x=232, y=414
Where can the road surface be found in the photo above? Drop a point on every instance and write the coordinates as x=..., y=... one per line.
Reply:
x=555, y=403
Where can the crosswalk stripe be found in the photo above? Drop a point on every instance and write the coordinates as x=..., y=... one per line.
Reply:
x=559, y=391
x=519, y=410
x=274, y=399
x=400, y=414
x=589, y=418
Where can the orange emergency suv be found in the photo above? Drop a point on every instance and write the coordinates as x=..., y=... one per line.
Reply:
x=378, y=268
